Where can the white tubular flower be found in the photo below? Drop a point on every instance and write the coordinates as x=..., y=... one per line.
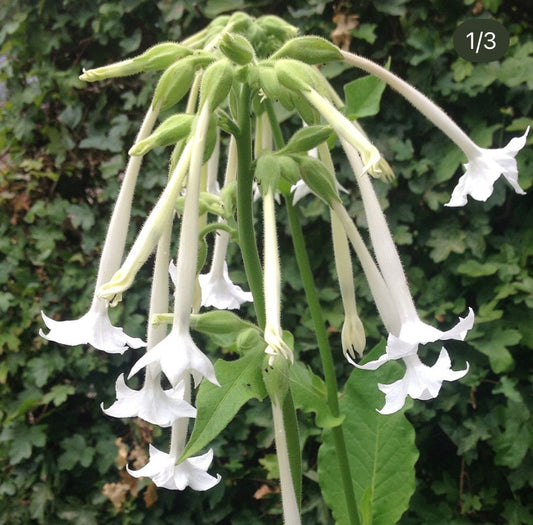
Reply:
x=93, y=328
x=151, y=403
x=149, y=235
x=403, y=341
x=164, y=472
x=217, y=288
x=420, y=381
x=176, y=355
x=484, y=166
x=272, y=284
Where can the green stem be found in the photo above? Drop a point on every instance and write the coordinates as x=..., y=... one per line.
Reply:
x=245, y=224
x=325, y=354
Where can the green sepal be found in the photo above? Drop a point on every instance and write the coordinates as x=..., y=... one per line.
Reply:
x=216, y=83
x=319, y=179
x=172, y=130
x=208, y=203
x=222, y=327
x=309, y=49
x=294, y=74
x=237, y=48
x=276, y=377
x=307, y=138
x=176, y=81
x=226, y=123
x=277, y=27
x=267, y=173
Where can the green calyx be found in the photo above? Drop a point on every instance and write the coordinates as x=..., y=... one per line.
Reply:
x=319, y=179
x=276, y=377
x=173, y=129
x=309, y=49
x=216, y=83
x=307, y=138
x=237, y=48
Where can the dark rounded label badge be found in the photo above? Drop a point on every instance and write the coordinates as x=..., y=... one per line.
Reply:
x=481, y=40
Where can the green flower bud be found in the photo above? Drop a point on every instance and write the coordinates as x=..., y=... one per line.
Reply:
x=309, y=49
x=277, y=27
x=172, y=130
x=157, y=57
x=307, y=138
x=239, y=22
x=216, y=83
x=268, y=80
x=318, y=178
x=249, y=339
x=237, y=48
x=294, y=74
x=176, y=81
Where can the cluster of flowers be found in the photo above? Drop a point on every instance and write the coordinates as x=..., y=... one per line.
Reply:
x=215, y=66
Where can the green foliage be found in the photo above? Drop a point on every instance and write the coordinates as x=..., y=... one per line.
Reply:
x=62, y=145
x=383, y=475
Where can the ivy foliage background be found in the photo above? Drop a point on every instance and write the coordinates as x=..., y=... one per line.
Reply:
x=62, y=147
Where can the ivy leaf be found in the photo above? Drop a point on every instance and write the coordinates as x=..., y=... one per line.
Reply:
x=477, y=269
x=363, y=96
x=22, y=439
x=76, y=451
x=384, y=476
x=494, y=345
x=309, y=394
x=58, y=394
x=240, y=381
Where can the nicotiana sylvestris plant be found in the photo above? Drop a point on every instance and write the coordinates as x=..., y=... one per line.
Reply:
x=229, y=82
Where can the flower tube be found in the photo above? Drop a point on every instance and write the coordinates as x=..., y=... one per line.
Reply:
x=419, y=381
x=484, y=166
x=94, y=327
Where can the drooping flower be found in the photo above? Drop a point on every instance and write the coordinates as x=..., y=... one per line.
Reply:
x=217, y=288
x=151, y=403
x=93, y=328
x=177, y=354
x=164, y=472
x=419, y=382
x=484, y=168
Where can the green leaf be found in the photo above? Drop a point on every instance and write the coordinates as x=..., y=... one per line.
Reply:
x=381, y=452
x=76, y=451
x=476, y=268
x=494, y=345
x=363, y=96
x=240, y=381
x=22, y=439
x=58, y=394
x=216, y=7
x=309, y=394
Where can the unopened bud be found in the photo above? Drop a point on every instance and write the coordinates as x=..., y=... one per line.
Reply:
x=307, y=138
x=172, y=130
x=216, y=83
x=156, y=58
x=176, y=81
x=309, y=49
x=294, y=74
x=276, y=26
x=267, y=173
x=319, y=179
x=237, y=48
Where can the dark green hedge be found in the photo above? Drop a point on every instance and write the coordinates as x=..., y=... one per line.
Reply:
x=58, y=179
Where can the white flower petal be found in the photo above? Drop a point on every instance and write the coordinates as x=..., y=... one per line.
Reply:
x=164, y=472
x=176, y=354
x=151, y=403
x=93, y=328
x=218, y=291
x=482, y=171
x=419, y=382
